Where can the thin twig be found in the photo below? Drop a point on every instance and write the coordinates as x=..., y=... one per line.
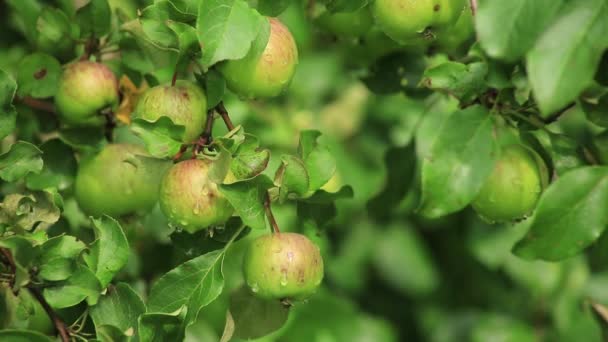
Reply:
x=59, y=324
x=57, y=321
x=37, y=104
x=207, y=135
x=474, y=7
x=180, y=153
x=110, y=125
x=221, y=110
x=273, y=222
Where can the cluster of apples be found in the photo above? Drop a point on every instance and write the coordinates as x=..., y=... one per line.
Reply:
x=116, y=182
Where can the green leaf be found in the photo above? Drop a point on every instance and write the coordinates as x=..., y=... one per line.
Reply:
x=24, y=253
x=162, y=137
x=94, y=19
x=80, y=286
x=563, y=62
x=215, y=87
x=273, y=8
x=14, y=335
x=401, y=165
x=38, y=75
x=464, y=81
x=20, y=160
x=461, y=158
x=502, y=328
x=85, y=138
x=8, y=114
x=569, y=217
x=226, y=29
x=195, y=283
x=247, y=197
x=320, y=208
x=57, y=259
x=26, y=210
x=254, y=317
x=120, y=307
x=566, y=154
x=154, y=23
x=110, y=251
x=521, y=23
x=59, y=168
x=159, y=327
x=54, y=31
x=291, y=178
x=319, y=161
x=404, y=262
x=250, y=159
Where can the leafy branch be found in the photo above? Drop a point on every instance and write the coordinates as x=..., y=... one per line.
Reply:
x=60, y=326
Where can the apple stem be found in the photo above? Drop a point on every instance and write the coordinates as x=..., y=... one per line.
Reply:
x=474, y=7
x=206, y=136
x=110, y=125
x=273, y=222
x=221, y=109
x=35, y=292
x=174, y=79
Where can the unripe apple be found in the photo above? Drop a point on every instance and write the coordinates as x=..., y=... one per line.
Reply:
x=267, y=74
x=514, y=187
x=84, y=89
x=115, y=182
x=190, y=199
x=184, y=103
x=404, y=20
x=452, y=38
x=283, y=266
x=347, y=24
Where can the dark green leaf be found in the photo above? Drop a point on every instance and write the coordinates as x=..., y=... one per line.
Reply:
x=319, y=161
x=401, y=168
x=462, y=157
x=162, y=137
x=80, y=286
x=94, y=18
x=560, y=72
x=160, y=327
x=23, y=336
x=20, y=160
x=226, y=29
x=254, y=317
x=464, y=81
x=195, y=283
x=57, y=259
x=59, y=168
x=569, y=217
x=120, y=307
x=110, y=251
x=8, y=114
x=522, y=22
x=247, y=198
x=272, y=8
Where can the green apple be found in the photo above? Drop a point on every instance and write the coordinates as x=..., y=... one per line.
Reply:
x=190, y=199
x=184, y=103
x=283, y=266
x=116, y=182
x=404, y=20
x=84, y=89
x=347, y=24
x=513, y=188
x=452, y=38
x=265, y=74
